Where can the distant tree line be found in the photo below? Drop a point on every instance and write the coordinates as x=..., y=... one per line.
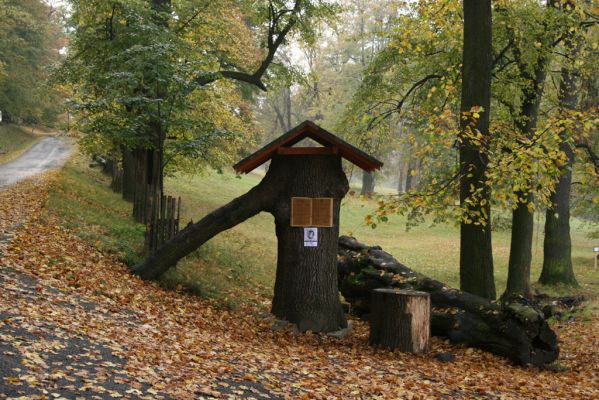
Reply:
x=31, y=38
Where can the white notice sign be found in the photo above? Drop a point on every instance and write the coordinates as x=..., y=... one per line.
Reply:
x=310, y=237
x=596, y=249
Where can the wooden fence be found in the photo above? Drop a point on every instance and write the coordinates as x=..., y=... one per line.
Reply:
x=117, y=181
x=164, y=223
x=159, y=213
x=142, y=203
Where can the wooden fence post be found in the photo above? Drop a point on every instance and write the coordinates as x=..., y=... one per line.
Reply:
x=161, y=218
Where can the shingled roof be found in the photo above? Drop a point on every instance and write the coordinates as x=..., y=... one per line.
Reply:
x=308, y=129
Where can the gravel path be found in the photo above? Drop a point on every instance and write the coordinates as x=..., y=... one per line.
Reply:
x=47, y=154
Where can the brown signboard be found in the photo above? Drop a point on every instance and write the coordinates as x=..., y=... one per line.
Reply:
x=322, y=211
x=301, y=211
x=312, y=212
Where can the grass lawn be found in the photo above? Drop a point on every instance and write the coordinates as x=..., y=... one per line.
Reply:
x=240, y=263
x=14, y=140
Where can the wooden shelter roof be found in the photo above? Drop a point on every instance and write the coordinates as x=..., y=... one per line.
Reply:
x=308, y=129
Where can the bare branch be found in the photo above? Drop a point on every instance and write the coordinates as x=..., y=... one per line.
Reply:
x=274, y=41
x=400, y=103
x=501, y=54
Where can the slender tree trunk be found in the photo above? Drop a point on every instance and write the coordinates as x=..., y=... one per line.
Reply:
x=367, y=183
x=557, y=247
x=195, y=235
x=288, y=109
x=476, y=255
x=409, y=177
x=400, y=183
x=518, y=280
x=128, y=174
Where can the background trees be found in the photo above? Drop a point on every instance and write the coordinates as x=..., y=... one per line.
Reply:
x=30, y=41
x=155, y=79
x=527, y=149
x=163, y=86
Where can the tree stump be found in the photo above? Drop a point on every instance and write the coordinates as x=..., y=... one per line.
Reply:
x=400, y=319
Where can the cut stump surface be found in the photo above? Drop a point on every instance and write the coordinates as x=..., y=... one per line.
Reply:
x=400, y=319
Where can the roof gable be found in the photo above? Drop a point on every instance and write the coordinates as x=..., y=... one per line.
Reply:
x=316, y=133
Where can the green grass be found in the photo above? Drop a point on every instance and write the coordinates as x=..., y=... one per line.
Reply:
x=81, y=196
x=14, y=140
x=239, y=264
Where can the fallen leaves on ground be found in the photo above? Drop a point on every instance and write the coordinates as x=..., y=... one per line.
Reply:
x=187, y=347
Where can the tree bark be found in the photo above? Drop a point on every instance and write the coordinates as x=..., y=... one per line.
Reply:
x=306, y=292
x=476, y=255
x=513, y=328
x=367, y=183
x=557, y=246
x=518, y=277
x=400, y=320
x=128, y=174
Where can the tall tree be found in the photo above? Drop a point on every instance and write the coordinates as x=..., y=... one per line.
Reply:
x=575, y=125
x=532, y=72
x=141, y=67
x=476, y=253
x=557, y=246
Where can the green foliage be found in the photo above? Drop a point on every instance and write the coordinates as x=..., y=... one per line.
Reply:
x=153, y=78
x=30, y=38
x=134, y=70
x=410, y=91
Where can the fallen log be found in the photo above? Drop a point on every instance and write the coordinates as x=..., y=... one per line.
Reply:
x=513, y=328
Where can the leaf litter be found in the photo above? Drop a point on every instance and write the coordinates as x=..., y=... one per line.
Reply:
x=138, y=340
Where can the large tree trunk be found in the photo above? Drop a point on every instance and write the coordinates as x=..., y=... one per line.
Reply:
x=306, y=291
x=476, y=255
x=514, y=328
x=367, y=183
x=141, y=164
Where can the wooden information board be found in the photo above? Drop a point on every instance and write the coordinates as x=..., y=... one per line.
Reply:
x=322, y=211
x=301, y=211
x=316, y=212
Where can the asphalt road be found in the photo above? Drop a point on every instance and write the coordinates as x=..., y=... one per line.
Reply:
x=47, y=154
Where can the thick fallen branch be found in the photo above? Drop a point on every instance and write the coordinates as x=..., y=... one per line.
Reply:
x=514, y=328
